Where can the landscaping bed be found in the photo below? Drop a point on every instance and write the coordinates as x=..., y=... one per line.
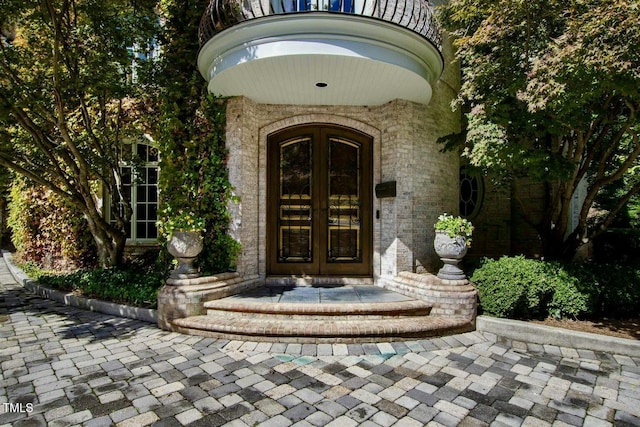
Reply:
x=620, y=328
x=601, y=298
x=134, y=286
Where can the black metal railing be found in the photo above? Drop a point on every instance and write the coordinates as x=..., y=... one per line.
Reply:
x=415, y=15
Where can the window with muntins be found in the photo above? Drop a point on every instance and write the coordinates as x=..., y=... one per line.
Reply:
x=140, y=186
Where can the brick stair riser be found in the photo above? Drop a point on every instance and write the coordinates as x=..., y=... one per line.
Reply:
x=301, y=317
x=316, y=281
x=410, y=308
x=316, y=331
x=384, y=308
x=308, y=340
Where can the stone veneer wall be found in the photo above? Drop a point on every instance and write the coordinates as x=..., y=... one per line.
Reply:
x=405, y=150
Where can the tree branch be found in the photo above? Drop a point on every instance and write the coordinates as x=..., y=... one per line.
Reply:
x=40, y=179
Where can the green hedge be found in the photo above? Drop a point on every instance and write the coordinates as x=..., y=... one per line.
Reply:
x=516, y=287
x=131, y=286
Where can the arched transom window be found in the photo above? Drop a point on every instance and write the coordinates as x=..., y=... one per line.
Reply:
x=471, y=192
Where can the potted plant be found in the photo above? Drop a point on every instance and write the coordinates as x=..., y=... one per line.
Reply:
x=184, y=240
x=453, y=239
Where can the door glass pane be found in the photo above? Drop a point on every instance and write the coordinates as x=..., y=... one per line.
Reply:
x=295, y=229
x=344, y=213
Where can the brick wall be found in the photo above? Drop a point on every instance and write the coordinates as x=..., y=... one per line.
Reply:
x=524, y=238
x=405, y=150
x=436, y=174
x=492, y=233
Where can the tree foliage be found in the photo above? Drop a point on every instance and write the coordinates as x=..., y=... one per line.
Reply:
x=48, y=230
x=191, y=134
x=551, y=90
x=5, y=184
x=68, y=99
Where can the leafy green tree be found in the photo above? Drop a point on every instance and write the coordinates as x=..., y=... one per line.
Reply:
x=552, y=92
x=68, y=99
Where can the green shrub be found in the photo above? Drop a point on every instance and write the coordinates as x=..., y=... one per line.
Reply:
x=507, y=287
x=568, y=300
x=615, y=288
x=128, y=286
x=516, y=287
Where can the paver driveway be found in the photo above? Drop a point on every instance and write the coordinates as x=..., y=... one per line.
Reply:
x=63, y=366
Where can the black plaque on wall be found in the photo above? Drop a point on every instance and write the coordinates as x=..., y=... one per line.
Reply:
x=386, y=189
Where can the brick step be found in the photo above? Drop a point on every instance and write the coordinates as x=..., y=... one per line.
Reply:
x=316, y=281
x=239, y=309
x=326, y=330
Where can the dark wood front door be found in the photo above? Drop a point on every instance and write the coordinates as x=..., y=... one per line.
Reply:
x=319, y=202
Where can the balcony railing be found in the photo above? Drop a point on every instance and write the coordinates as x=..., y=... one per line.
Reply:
x=415, y=15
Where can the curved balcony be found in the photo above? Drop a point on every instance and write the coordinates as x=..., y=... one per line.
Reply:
x=322, y=52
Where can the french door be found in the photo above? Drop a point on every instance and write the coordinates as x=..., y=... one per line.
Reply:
x=319, y=205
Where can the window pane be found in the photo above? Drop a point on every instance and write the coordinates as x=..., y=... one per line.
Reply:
x=153, y=212
x=295, y=169
x=141, y=212
x=152, y=231
x=142, y=152
x=141, y=230
x=152, y=175
x=152, y=194
x=141, y=195
x=343, y=168
x=153, y=154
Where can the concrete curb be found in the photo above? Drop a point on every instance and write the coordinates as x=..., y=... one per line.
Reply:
x=517, y=330
x=136, y=313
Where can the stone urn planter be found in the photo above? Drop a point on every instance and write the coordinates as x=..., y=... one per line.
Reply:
x=453, y=239
x=451, y=250
x=185, y=246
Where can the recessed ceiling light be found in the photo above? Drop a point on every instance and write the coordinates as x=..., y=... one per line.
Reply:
x=321, y=84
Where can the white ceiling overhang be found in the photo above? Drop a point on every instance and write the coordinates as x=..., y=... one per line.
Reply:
x=320, y=59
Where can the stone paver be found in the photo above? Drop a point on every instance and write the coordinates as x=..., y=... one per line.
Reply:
x=62, y=366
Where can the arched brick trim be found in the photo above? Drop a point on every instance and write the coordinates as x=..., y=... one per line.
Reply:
x=310, y=119
x=318, y=118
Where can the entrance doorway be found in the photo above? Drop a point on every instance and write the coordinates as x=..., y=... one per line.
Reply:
x=319, y=202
